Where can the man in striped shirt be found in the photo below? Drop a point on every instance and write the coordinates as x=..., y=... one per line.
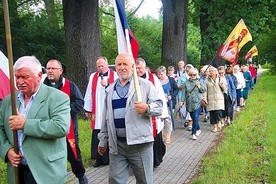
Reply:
x=127, y=127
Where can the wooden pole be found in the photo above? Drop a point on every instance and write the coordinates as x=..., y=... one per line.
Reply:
x=135, y=77
x=10, y=57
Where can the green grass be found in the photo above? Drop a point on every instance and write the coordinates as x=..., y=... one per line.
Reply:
x=246, y=153
x=85, y=141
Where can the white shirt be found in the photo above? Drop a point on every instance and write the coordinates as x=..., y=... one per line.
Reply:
x=100, y=96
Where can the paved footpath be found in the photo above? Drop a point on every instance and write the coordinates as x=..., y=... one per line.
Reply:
x=181, y=161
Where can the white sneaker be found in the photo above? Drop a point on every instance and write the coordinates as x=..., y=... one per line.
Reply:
x=238, y=109
x=194, y=137
x=198, y=132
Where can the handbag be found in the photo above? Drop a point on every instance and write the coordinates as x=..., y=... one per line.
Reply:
x=203, y=103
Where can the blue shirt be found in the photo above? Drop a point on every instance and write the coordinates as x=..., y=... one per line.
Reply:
x=24, y=110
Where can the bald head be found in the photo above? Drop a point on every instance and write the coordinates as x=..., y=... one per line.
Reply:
x=102, y=64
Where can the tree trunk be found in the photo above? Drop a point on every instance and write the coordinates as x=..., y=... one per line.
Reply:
x=207, y=38
x=175, y=22
x=203, y=21
x=82, y=37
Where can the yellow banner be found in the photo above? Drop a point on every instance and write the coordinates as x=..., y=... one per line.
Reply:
x=235, y=41
x=252, y=52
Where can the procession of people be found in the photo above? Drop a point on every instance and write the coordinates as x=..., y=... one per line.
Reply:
x=126, y=133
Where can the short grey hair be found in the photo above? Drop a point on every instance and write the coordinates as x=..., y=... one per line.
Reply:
x=221, y=68
x=161, y=69
x=204, y=69
x=140, y=61
x=193, y=70
x=56, y=61
x=171, y=68
x=29, y=62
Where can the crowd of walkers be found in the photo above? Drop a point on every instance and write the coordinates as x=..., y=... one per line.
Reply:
x=213, y=92
x=126, y=133
x=186, y=93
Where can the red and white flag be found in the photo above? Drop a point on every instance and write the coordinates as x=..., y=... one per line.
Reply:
x=123, y=32
x=4, y=76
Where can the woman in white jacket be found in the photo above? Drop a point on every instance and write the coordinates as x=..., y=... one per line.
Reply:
x=240, y=85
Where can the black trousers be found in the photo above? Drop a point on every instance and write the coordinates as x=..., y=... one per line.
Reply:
x=25, y=175
x=76, y=164
x=159, y=150
x=227, y=106
x=94, y=149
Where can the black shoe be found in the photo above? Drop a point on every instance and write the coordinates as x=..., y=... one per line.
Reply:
x=106, y=163
x=97, y=164
x=206, y=119
x=186, y=124
x=83, y=180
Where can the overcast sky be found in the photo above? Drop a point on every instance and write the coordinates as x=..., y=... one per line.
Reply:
x=149, y=7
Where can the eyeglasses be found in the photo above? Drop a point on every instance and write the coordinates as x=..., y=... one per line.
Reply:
x=221, y=73
x=192, y=75
x=52, y=68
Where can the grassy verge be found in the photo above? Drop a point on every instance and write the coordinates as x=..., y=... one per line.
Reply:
x=85, y=141
x=246, y=153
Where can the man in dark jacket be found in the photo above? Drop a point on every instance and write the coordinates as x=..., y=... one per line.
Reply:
x=55, y=79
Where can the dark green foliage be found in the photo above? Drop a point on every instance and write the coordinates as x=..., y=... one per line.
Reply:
x=147, y=30
x=193, y=45
x=267, y=47
x=32, y=35
x=42, y=41
x=218, y=18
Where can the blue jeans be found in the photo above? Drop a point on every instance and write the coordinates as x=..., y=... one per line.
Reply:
x=207, y=113
x=194, y=115
x=238, y=91
x=252, y=83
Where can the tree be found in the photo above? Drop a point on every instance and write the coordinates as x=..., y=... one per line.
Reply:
x=31, y=33
x=51, y=12
x=174, y=39
x=193, y=45
x=82, y=38
x=218, y=18
x=148, y=32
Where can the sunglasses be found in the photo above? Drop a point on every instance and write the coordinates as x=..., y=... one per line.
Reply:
x=192, y=75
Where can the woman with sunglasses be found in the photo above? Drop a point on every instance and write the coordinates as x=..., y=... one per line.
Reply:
x=193, y=91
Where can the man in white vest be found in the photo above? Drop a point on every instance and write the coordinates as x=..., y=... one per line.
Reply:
x=93, y=105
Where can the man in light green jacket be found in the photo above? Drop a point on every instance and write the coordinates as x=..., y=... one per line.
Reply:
x=42, y=123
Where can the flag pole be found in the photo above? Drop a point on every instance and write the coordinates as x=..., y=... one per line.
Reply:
x=135, y=77
x=10, y=57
